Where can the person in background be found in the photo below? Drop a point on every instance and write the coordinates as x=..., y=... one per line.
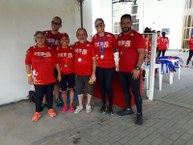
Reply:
x=40, y=62
x=105, y=44
x=131, y=47
x=85, y=67
x=163, y=42
x=53, y=38
x=65, y=55
x=158, y=36
x=190, y=43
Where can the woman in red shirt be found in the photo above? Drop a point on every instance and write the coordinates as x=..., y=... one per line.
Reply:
x=105, y=44
x=40, y=62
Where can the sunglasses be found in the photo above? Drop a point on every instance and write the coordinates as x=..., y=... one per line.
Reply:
x=99, y=25
x=55, y=23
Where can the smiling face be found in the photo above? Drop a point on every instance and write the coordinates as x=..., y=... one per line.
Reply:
x=56, y=24
x=81, y=35
x=99, y=26
x=40, y=39
x=64, y=42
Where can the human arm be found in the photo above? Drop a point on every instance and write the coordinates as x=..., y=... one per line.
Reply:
x=29, y=74
x=140, y=60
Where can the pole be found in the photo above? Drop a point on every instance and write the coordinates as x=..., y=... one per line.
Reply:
x=81, y=13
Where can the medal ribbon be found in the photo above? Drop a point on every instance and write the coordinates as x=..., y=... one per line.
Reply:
x=101, y=46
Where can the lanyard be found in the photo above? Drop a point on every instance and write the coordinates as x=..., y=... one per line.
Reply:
x=103, y=44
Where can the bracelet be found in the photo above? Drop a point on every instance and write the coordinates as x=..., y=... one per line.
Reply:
x=29, y=75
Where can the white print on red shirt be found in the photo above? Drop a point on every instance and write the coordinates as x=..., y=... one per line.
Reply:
x=126, y=43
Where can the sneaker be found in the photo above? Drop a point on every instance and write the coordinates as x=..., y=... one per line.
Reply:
x=78, y=109
x=59, y=103
x=110, y=110
x=125, y=111
x=88, y=108
x=52, y=113
x=64, y=109
x=36, y=116
x=71, y=109
x=139, y=119
x=103, y=109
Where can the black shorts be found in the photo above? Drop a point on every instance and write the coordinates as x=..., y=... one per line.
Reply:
x=82, y=85
x=67, y=81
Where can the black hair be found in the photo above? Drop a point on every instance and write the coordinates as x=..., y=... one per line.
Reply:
x=125, y=16
x=163, y=33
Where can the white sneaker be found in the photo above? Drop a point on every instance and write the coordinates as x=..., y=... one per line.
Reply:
x=78, y=109
x=88, y=109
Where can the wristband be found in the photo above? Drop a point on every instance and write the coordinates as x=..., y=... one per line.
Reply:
x=29, y=75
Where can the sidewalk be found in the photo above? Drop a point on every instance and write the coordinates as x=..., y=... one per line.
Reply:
x=165, y=123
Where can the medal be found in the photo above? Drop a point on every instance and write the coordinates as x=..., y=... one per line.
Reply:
x=79, y=59
x=65, y=65
x=102, y=56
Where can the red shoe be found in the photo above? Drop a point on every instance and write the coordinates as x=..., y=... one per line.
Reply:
x=71, y=109
x=64, y=109
x=52, y=113
x=36, y=116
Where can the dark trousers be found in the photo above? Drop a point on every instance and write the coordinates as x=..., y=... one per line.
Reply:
x=40, y=90
x=161, y=51
x=127, y=82
x=106, y=77
x=189, y=57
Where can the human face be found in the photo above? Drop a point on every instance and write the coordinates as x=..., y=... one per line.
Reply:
x=99, y=26
x=126, y=24
x=40, y=39
x=64, y=41
x=56, y=24
x=81, y=36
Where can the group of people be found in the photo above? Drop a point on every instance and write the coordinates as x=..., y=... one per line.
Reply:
x=79, y=66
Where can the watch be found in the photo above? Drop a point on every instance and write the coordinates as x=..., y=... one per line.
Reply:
x=137, y=68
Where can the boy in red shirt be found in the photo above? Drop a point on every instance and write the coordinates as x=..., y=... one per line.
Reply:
x=65, y=55
x=85, y=67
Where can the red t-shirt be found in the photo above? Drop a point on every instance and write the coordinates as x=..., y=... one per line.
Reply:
x=66, y=59
x=148, y=44
x=190, y=42
x=127, y=47
x=105, y=59
x=84, y=52
x=52, y=39
x=163, y=43
x=43, y=61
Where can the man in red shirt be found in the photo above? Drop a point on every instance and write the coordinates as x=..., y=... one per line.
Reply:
x=190, y=42
x=85, y=67
x=163, y=44
x=53, y=38
x=131, y=47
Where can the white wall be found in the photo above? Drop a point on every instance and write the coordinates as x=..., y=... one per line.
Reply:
x=19, y=20
x=164, y=14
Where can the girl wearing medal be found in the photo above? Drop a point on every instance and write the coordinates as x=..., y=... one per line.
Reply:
x=105, y=44
x=65, y=55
